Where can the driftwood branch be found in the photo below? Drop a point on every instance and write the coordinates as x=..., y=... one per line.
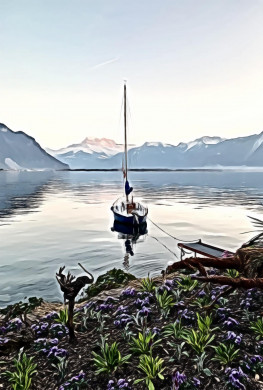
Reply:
x=200, y=263
x=247, y=260
x=246, y=283
x=70, y=286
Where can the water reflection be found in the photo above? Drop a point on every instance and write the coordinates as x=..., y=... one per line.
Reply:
x=22, y=192
x=130, y=235
x=65, y=218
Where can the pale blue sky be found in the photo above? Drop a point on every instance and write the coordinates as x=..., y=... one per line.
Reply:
x=194, y=68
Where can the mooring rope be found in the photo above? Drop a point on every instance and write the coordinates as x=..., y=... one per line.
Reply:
x=166, y=247
x=168, y=234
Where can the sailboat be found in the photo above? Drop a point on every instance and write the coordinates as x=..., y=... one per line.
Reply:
x=125, y=209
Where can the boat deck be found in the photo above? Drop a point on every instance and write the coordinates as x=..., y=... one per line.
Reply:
x=126, y=209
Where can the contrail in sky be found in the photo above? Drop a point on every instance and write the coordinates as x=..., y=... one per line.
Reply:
x=105, y=63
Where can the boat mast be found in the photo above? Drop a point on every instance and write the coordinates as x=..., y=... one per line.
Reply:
x=125, y=137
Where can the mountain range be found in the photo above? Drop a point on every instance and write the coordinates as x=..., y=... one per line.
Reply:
x=19, y=151
x=204, y=152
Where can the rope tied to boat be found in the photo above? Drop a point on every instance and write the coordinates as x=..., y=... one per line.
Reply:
x=166, y=247
x=168, y=234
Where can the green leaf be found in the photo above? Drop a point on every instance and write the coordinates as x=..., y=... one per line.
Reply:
x=207, y=372
x=151, y=385
x=137, y=381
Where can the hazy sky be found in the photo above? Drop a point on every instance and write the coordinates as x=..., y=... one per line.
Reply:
x=194, y=68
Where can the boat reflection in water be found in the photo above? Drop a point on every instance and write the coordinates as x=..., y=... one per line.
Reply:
x=130, y=234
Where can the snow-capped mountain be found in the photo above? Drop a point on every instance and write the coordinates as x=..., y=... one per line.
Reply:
x=204, y=152
x=103, y=146
x=199, y=141
x=19, y=151
x=90, y=153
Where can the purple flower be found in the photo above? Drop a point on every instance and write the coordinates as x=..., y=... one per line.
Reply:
x=202, y=293
x=124, y=315
x=196, y=382
x=233, y=337
x=89, y=305
x=144, y=312
x=55, y=352
x=142, y=302
x=13, y=325
x=53, y=341
x=186, y=315
x=51, y=316
x=110, y=385
x=256, y=359
x=253, y=293
x=41, y=329
x=235, y=376
x=44, y=326
x=145, y=294
x=74, y=382
x=122, y=320
x=238, y=339
x=121, y=384
x=178, y=379
x=3, y=329
x=104, y=307
x=128, y=292
x=179, y=304
x=58, y=330
x=122, y=309
x=222, y=313
x=246, y=303
x=40, y=340
x=230, y=322
x=156, y=331
x=81, y=375
x=3, y=340
x=40, y=343
x=168, y=285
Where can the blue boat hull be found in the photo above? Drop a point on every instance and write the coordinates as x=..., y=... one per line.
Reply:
x=130, y=229
x=131, y=220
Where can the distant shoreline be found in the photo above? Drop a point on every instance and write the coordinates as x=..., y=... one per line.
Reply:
x=222, y=169
x=145, y=170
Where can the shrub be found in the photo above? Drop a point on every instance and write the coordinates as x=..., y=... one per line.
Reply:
x=24, y=370
x=152, y=367
x=109, y=359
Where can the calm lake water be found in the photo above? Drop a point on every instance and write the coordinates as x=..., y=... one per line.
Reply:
x=50, y=219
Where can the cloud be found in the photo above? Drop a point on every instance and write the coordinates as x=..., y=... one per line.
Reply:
x=104, y=63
